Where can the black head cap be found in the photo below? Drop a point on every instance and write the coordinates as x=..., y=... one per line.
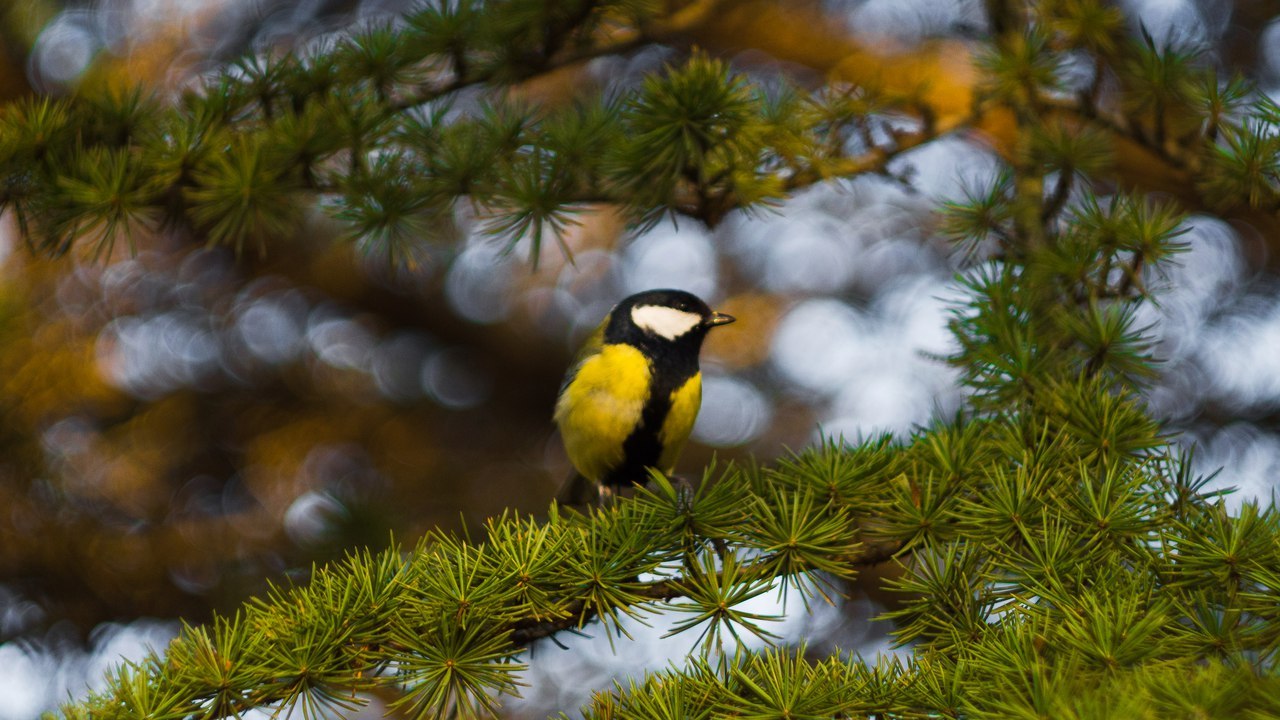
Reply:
x=663, y=316
x=677, y=299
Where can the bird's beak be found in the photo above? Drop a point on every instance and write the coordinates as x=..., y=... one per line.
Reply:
x=719, y=318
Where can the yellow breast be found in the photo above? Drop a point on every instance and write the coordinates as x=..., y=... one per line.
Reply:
x=685, y=402
x=600, y=408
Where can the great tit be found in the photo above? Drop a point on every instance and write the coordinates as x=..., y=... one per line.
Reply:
x=629, y=401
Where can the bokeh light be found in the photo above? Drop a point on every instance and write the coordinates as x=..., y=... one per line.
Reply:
x=671, y=257
x=271, y=327
x=397, y=365
x=907, y=22
x=1269, y=45
x=734, y=412
x=1183, y=23
x=311, y=518
x=153, y=355
x=454, y=378
x=63, y=51
x=338, y=340
x=803, y=247
x=478, y=284
x=39, y=676
x=1245, y=458
x=821, y=344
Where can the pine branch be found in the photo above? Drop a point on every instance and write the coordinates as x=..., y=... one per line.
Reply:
x=616, y=40
x=579, y=614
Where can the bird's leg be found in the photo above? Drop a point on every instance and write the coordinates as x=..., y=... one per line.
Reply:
x=606, y=497
x=684, y=491
x=684, y=500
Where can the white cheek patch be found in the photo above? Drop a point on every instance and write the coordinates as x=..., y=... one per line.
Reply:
x=666, y=322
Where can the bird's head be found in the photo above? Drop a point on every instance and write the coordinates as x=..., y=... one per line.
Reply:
x=668, y=315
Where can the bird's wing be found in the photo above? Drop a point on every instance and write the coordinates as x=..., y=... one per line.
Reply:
x=590, y=346
x=602, y=406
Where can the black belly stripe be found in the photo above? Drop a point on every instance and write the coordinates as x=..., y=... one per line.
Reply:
x=643, y=447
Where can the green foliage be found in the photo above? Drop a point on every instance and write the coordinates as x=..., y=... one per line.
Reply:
x=1066, y=312
x=239, y=194
x=368, y=125
x=1043, y=574
x=1021, y=65
x=365, y=123
x=1244, y=167
x=108, y=198
x=784, y=684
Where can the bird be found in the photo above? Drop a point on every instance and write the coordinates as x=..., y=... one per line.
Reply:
x=629, y=400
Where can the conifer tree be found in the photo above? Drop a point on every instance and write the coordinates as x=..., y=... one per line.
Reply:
x=1058, y=557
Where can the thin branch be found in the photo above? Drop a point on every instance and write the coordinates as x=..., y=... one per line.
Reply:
x=619, y=41
x=1061, y=192
x=875, y=160
x=525, y=632
x=1119, y=127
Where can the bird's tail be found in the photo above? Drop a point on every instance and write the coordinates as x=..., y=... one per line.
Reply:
x=578, y=490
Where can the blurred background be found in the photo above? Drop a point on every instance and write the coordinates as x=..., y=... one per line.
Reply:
x=179, y=427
